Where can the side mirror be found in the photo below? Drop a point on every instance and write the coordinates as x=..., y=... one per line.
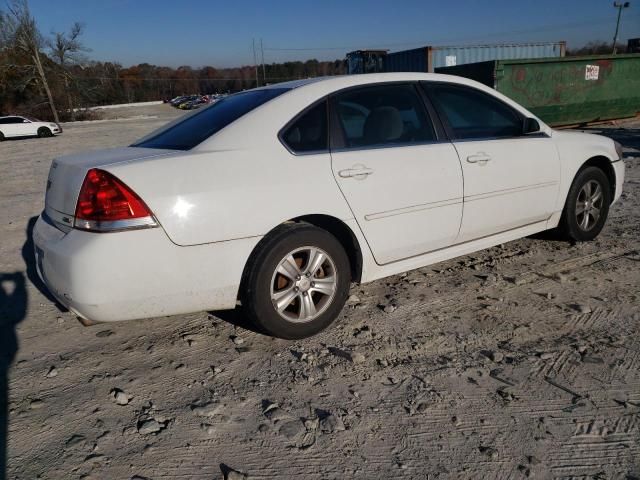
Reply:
x=530, y=125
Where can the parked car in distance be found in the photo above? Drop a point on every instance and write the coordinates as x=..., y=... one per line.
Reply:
x=281, y=197
x=16, y=126
x=177, y=102
x=180, y=99
x=192, y=104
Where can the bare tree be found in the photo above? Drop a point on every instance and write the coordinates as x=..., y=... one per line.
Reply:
x=19, y=30
x=66, y=50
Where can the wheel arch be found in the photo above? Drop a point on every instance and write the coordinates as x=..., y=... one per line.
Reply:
x=331, y=224
x=604, y=164
x=345, y=236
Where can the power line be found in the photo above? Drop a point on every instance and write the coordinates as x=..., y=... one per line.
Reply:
x=449, y=39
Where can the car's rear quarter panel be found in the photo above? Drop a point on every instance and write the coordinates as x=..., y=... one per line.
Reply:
x=214, y=196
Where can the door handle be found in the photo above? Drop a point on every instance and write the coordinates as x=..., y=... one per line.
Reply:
x=359, y=172
x=480, y=158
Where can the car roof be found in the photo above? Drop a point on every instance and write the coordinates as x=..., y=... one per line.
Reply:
x=363, y=79
x=265, y=121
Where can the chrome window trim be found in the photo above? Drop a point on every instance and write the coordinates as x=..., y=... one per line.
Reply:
x=382, y=146
x=488, y=139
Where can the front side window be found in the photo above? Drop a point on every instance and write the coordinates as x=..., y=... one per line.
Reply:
x=475, y=114
x=308, y=133
x=196, y=128
x=383, y=115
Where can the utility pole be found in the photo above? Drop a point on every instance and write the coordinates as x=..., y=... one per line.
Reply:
x=619, y=6
x=255, y=60
x=264, y=74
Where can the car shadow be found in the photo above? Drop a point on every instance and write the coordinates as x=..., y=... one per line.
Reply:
x=29, y=258
x=237, y=318
x=27, y=137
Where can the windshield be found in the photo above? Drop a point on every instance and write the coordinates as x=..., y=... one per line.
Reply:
x=195, y=129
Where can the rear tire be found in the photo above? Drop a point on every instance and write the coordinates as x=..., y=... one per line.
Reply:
x=44, y=132
x=1, y=137
x=587, y=206
x=296, y=282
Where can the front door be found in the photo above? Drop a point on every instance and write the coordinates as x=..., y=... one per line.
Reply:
x=402, y=183
x=511, y=179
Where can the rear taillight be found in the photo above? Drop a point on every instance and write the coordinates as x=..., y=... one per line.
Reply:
x=106, y=204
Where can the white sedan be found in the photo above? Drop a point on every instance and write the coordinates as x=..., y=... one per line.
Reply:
x=16, y=126
x=278, y=198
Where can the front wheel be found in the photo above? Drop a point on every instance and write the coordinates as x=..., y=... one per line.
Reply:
x=1, y=137
x=44, y=132
x=587, y=206
x=297, y=282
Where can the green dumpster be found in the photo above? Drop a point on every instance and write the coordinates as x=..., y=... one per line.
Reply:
x=564, y=91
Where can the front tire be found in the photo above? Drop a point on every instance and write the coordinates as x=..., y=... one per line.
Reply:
x=587, y=206
x=1, y=137
x=297, y=282
x=44, y=132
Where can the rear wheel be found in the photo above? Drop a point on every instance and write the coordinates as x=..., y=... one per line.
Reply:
x=587, y=206
x=1, y=136
x=297, y=282
x=44, y=132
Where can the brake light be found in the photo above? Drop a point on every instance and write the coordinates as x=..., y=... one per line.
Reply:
x=107, y=204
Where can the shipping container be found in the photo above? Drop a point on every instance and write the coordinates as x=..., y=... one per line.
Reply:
x=365, y=61
x=427, y=59
x=564, y=91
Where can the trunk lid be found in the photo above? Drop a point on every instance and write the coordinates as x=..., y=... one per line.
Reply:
x=67, y=174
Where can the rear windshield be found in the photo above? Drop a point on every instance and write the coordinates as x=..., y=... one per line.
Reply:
x=198, y=127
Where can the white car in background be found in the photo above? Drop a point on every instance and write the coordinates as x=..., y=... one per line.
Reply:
x=280, y=197
x=16, y=126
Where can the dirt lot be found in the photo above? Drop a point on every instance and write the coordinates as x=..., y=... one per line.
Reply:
x=522, y=360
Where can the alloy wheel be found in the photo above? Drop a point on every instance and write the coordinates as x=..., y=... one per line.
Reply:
x=589, y=205
x=304, y=284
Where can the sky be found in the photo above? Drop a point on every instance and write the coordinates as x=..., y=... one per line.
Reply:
x=220, y=33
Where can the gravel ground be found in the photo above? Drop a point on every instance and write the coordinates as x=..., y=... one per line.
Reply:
x=521, y=360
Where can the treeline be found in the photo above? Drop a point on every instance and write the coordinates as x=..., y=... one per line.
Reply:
x=108, y=83
x=596, y=48
x=52, y=78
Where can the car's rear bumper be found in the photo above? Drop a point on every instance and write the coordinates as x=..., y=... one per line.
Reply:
x=137, y=274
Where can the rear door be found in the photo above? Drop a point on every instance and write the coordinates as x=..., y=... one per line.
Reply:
x=510, y=179
x=29, y=128
x=402, y=181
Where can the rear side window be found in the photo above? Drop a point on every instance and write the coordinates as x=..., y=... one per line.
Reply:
x=196, y=128
x=475, y=114
x=383, y=115
x=11, y=120
x=309, y=132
